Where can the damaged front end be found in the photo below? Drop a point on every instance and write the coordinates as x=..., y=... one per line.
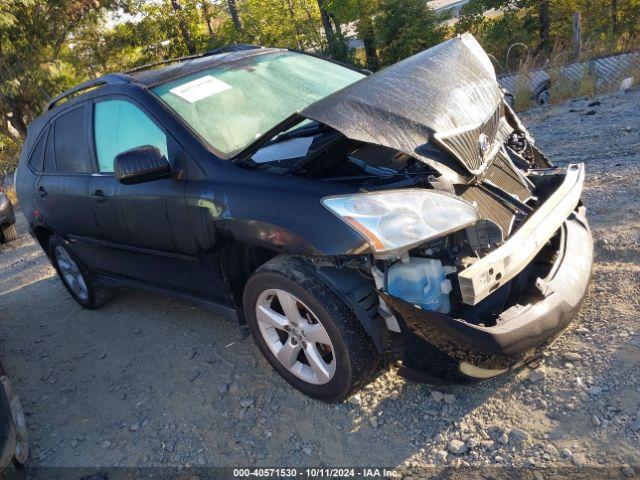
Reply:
x=479, y=249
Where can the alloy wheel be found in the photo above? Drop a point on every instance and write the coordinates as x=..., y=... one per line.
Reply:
x=71, y=273
x=295, y=336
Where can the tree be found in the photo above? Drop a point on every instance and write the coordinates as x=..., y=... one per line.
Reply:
x=184, y=27
x=235, y=16
x=405, y=27
x=207, y=16
x=362, y=14
x=326, y=24
x=545, y=26
x=614, y=17
x=39, y=32
x=292, y=23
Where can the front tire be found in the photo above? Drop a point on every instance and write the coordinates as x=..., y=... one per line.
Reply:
x=306, y=332
x=79, y=281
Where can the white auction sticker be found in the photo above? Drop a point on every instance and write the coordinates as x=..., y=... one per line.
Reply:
x=203, y=87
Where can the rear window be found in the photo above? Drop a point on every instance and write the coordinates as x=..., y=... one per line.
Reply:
x=37, y=154
x=69, y=140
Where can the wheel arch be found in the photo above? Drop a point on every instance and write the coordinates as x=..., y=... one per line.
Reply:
x=42, y=235
x=356, y=291
x=235, y=262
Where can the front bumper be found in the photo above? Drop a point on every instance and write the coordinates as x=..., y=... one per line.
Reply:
x=436, y=345
x=491, y=272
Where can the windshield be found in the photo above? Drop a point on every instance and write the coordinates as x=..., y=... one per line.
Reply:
x=231, y=106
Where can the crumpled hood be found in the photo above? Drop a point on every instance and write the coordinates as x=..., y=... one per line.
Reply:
x=444, y=89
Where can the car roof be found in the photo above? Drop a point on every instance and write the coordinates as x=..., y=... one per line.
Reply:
x=150, y=76
x=164, y=71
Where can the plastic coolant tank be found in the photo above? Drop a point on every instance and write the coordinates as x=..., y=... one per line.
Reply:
x=420, y=281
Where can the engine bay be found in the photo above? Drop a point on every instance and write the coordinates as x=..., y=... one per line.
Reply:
x=512, y=185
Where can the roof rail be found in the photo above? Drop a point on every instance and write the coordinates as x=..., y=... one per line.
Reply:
x=236, y=47
x=110, y=79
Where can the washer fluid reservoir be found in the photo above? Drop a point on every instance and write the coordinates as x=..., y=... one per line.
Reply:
x=421, y=281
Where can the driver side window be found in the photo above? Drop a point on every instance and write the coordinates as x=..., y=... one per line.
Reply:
x=119, y=126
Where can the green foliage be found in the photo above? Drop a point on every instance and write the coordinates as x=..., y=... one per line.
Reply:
x=405, y=27
x=33, y=38
x=291, y=23
x=9, y=152
x=501, y=24
x=47, y=46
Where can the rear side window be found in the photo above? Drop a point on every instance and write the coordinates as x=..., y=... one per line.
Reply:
x=37, y=154
x=49, y=158
x=69, y=139
x=120, y=126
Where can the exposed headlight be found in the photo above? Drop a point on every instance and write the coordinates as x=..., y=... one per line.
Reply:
x=400, y=219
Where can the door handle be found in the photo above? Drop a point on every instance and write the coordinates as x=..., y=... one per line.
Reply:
x=42, y=192
x=98, y=196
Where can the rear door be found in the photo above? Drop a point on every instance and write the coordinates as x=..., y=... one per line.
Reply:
x=144, y=223
x=62, y=190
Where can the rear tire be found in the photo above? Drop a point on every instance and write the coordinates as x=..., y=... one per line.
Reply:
x=9, y=233
x=334, y=355
x=79, y=281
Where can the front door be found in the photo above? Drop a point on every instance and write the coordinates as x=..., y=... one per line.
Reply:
x=146, y=223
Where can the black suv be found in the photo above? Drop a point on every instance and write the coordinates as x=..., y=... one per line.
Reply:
x=344, y=218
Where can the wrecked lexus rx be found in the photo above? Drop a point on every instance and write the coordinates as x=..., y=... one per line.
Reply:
x=346, y=219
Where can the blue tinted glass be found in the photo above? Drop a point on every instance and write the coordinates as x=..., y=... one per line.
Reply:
x=120, y=126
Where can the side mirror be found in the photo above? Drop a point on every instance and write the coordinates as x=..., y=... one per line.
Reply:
x=141, y=164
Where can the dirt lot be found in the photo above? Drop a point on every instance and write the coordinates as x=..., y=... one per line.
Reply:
x=149, y=381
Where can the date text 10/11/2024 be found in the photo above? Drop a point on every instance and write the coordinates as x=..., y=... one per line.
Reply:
x=325, y=472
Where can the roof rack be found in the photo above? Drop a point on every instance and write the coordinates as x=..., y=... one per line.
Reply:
x=236, y=47
x=110, y=79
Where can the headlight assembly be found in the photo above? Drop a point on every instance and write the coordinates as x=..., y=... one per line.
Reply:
x=397, y=220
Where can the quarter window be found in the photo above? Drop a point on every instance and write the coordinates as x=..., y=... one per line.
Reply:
x=120, y=126
x=37, y=155
x=69, y=140
x=49, y=159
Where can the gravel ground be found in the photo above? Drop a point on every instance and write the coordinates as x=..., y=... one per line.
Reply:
x=155, y=382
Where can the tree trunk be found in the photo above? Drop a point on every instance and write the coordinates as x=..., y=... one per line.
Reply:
x=292, y=14
x=337, y=27
x=614, y=18
x=184, y=27
x=367, y=34
x=328, y=28
x=545, y=24
x=235, y=15
x=577, y=34
x=207, y=17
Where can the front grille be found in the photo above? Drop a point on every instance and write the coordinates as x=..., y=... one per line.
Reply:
x=465, y=145
x=505, y=176
x=489, y=207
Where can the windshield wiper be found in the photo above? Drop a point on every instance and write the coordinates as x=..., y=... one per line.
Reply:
x=302, y=131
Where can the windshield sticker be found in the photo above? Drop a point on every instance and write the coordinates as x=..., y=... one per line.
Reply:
x=201, y=88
